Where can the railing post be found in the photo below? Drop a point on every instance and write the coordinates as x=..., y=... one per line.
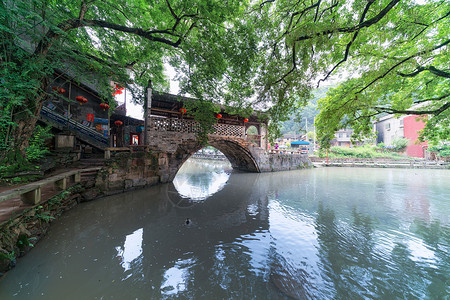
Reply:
x=147, y=111
x=32, y=197
x=61, y=184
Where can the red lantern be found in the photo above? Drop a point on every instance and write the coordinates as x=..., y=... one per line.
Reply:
x=104, y=106
x=61, y=91
x=55, y=88
x=81, y=99
x=183, y=110
x=118, y=123
x=218, y=116
x=245, y=120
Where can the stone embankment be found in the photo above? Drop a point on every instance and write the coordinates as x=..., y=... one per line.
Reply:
x=379, y=163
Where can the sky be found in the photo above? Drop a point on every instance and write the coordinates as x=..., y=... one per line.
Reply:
x=136, y=111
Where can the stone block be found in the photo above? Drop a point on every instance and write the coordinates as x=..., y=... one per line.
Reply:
x=64, y=141
x=140, y=182
x=153, y=180
x=128, y=184
x=116, y=185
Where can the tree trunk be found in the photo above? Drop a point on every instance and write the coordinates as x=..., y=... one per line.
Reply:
x=25, y=118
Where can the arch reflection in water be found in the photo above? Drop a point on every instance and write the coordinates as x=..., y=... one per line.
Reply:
x=199, y=179
x=131, y=250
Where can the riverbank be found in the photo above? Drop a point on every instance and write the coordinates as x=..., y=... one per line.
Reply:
x=379, y=163
x=27, y=211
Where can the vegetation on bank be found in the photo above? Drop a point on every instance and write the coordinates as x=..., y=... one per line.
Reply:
x=441, y=150
x=20, y=234
x=12, y=165
x=366, y=151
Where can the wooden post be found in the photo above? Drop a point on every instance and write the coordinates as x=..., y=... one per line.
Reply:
x=147, y=110
x=32, y=197
x=61, y=184
x=77, y=177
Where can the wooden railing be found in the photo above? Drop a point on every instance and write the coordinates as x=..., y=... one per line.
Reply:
x=31, y=193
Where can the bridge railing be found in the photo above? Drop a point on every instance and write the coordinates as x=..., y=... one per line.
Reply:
x=191, y=126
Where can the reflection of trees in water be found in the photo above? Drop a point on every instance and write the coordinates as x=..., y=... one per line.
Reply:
x=351, y=260
x=293, y=281
x=437, y=238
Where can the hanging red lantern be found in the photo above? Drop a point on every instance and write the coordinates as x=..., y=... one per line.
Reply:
x=104, y=106
x=55, y=88
x=245, y=120
x=81, y=99
x=183, y=110
x=61, y=91
x=118, y=123
x=218, y=116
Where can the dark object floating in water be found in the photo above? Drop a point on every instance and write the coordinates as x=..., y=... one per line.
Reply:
x=188, y=221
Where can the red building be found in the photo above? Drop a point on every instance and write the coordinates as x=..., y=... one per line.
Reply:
x=411, y=127
x=388, y=128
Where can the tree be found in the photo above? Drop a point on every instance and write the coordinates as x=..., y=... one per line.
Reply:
x=390, y=54
x=267, y=55
x=402, y=69
x=125, y=41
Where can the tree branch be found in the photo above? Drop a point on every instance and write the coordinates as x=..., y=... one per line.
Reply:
x=427, y=26
x=435, y=112
x=149, y=35
x=432, y=99
x=347, y=49
x=294, y=66
x=367, y=23
x=401, y=62
x=431, y=69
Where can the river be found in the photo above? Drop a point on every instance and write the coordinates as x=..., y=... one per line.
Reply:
x=327, y=233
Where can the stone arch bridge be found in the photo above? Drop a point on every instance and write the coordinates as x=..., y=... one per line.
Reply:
x=170, y=131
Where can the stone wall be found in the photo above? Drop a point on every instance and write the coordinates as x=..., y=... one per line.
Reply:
x=269, y=162
x=127, y=171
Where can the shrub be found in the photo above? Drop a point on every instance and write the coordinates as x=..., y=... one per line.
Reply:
x=442, y=150
x=399, y=143
x=37, y=148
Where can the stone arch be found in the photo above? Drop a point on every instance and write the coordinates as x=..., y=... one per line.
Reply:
x=250, y=127
x=235, y=150
x=237, y=153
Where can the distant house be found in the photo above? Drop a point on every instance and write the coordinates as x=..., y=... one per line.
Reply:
x=287, y=139
x=342, y=138
x=303, y=146
x=388, y=128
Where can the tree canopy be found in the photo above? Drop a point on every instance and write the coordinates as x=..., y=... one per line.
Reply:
x=388, y=55
x=269, y=54
x=124, y=41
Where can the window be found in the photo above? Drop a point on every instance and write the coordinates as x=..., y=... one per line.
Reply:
x=401, y=123
x=388, y=126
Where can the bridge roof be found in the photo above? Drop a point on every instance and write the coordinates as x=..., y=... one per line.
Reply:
x=169, y=105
